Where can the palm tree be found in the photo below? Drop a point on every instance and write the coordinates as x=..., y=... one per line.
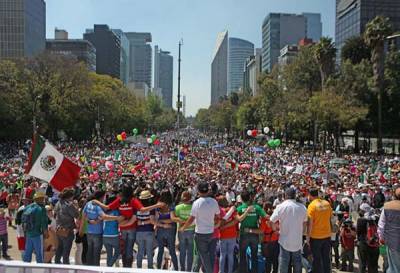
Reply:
x=375, y=34
x=325, y=53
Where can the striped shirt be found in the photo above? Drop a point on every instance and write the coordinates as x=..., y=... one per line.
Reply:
x=3, y=225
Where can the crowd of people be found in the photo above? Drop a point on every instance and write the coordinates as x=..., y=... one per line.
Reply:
x=215, y=205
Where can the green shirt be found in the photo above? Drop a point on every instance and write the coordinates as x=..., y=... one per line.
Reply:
x=182, y=211
x=40, y=223
x=251, y=220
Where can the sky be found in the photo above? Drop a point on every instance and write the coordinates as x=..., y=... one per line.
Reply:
x=197, y=22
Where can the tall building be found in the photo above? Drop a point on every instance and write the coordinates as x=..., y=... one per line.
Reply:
x=252, y=71
x=81, y=50
x=140, y=57
x=280, y=29
x=22, y=28
x=108, y=50
x=163, y=75
x=219, y=68
x=352, y=17
x=288, y=54
x=125, y=49
x=238, y=52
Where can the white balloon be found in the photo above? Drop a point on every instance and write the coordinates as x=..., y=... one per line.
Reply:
x=249, y=132
x=266, y=130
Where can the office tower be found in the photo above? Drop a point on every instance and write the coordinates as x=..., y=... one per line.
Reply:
x=279, y=30
x=22, y=28
x=352, y=17
x=252, y=71
x=163, y=75
x=313, y=26
x=140, y=57
x=108, y=50
x=219, y=68
x=81, y=50
x=238, y=52
x=124, y=62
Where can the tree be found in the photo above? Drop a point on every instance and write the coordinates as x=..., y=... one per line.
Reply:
x=392, y=84
x=355, y=50
x=325, y=53
x=375, y=34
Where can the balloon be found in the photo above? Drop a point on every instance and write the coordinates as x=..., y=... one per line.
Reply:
x=277, y=142
x=254, y=133
x=135, y=131
x=266, y=130
x=123, y=135
x=271, y=143
x=119, y=137
x=249, y=132
x=157, y=142
x=93, y=164
x=153, y=137
x=149, y=140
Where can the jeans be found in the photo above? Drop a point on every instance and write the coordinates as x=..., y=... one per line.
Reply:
x=206, y=248
x=111, y=245
x=95, y=243
x=248, y=240
x=284, y=260
x=368, y=257
x=186, y=249
x=145, y=241
x=321, y=251
x=227, y=252
x=33, y=244
x=4, y=244
x=165, y=236
x=129, y=238
x=271, y=254
x=347, y=256
x=335, y=252
x=393, y=261
x=64, y=248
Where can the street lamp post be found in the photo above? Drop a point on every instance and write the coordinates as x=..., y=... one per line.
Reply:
x=179, y=82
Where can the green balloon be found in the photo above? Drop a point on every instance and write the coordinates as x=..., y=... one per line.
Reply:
x=277, y=142
x=271, y=143
x=153, y=137
x=135, y=131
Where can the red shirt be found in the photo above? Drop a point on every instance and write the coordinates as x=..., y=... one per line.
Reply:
x=232, y=231
x=127, y=210
x=269, y=234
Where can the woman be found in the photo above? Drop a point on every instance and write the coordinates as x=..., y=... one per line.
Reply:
x=270, y=245
x=65, y=211
x=180, y=215
x=50, y=244
x=165, y=230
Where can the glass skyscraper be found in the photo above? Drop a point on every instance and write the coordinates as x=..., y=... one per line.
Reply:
x=22, y=28
x=163, y=75
x=352, y=17
x=219, y=68
x=125, y=49
x=239, y=51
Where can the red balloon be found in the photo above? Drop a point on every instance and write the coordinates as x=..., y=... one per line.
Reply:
x=123, y=134
x=157, y=142
x=254, y=133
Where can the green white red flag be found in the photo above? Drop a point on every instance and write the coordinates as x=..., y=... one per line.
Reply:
x=48, y=164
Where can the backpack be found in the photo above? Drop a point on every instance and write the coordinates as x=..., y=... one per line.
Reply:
x=372, y=234
x=347, y=240
x=28, y=217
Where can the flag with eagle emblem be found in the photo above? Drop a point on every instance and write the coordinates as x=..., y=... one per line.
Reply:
x=48, y=164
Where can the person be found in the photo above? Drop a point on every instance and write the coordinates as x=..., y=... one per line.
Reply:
x=205, y=213
x=65, y=211
x=249, y=229
x=319, y=232
x=13, y=203
x=35, y=222
x=50, y=243
x=292, y=218
x=4, y=234
x=270, y=245
x=368, y=250
x=165, y=233
x=111, y=237
x=180, y=215
x=389, y=231
x=347, y=240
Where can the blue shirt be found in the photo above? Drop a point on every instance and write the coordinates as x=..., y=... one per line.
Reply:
x=110, y=228
x=93, y=212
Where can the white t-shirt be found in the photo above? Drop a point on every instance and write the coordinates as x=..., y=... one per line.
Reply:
x=291, y=216
x=204, y=210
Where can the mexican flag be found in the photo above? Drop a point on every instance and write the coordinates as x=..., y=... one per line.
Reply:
x=48, y=164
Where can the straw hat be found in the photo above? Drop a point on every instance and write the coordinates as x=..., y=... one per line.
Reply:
x=39, y=195
x=145, y=195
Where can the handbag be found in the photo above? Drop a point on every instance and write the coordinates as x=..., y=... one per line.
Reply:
x=62, y=232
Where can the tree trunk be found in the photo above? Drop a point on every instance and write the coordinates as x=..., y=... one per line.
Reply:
x=356, y=141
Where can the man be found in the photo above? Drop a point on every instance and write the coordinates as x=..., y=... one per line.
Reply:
x=389, y=231
x=319, y=232
x=34, y=221
x=205, y=213
x=249, y=215
x=292, y=217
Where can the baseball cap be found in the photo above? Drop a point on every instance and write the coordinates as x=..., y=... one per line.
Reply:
x=290, y=193
x=203, y=187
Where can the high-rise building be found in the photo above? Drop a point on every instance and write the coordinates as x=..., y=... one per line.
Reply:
x=252, y=71
x=219, y=68
x=238, y=52
x=313, y=26
x=280, y=29
x=108, y=50
x=140, y=57
x=81, y=50
x=163, y=74
x=288, y=54
x=125, y=49
x=22, y=28
x=352, y=17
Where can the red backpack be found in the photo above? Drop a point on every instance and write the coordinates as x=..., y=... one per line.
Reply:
x=372, y=234
x=347, y=240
